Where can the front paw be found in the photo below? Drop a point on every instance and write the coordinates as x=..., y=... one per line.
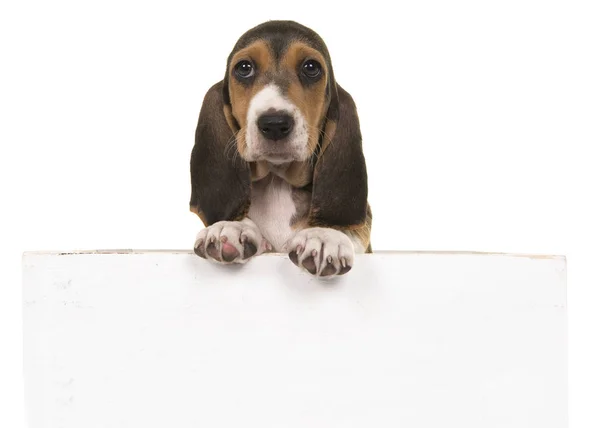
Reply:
x=230, y=242
x=322, y=251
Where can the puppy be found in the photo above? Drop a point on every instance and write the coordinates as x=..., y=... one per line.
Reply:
x=277, y=163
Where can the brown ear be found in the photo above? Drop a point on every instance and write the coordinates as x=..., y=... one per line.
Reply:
x=220, y=179
x=339, y=196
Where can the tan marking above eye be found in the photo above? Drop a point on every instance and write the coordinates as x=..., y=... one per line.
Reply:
x=297, y=53
x=258, y=52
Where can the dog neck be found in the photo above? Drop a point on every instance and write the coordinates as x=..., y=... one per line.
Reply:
x=298, y=174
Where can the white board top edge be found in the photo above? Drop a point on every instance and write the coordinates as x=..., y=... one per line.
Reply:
x=381, y=252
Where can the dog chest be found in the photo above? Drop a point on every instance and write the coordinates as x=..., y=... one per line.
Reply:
x=273, y=206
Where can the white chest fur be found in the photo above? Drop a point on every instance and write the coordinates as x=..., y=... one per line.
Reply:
x=272, y=208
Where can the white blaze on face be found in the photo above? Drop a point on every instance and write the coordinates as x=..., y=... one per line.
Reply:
x=258, y=148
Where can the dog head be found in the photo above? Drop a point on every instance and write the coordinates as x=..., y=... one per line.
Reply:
x=278, y=89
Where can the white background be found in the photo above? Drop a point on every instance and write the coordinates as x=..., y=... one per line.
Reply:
x=481, y=125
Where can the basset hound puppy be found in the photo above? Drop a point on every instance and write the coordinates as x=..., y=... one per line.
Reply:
x=277, y=163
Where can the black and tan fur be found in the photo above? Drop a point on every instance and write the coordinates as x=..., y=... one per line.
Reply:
x=329, y=187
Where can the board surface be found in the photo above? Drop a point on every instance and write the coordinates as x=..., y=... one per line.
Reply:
x=420, y=340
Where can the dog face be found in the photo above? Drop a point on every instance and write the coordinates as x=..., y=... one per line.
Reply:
x=278, y=88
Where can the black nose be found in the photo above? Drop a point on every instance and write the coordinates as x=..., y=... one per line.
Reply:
x=275, y=126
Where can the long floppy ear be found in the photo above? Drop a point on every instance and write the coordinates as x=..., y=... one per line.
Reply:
x=339, y=194
x=220, y=179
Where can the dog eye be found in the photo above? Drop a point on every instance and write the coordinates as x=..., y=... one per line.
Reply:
x=311, y=68
x=244, y=69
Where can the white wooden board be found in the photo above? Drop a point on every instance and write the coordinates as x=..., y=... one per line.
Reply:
x=415, y=340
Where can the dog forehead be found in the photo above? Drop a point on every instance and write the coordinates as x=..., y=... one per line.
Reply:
x=279, y=36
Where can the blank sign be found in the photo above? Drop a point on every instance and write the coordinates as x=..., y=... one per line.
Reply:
x=160, y=339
